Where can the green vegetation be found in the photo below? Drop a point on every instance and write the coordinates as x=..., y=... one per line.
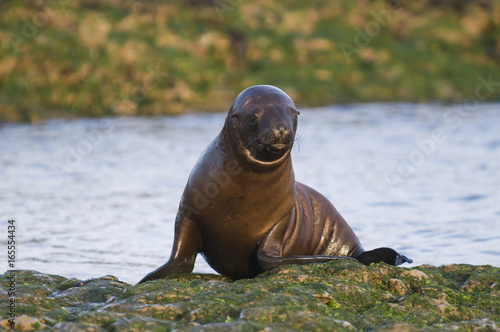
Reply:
x=103, y=58
x=339, y=295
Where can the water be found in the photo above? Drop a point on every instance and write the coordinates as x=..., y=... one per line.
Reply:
x=98, y=196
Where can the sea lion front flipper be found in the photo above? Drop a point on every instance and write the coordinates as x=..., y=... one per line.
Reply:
x=269, y=252
x=386, y=255
x=187, y=243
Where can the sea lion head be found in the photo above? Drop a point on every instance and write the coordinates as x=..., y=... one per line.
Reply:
x=263, y=121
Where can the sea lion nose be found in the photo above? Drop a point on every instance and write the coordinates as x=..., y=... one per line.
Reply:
x=281, y=129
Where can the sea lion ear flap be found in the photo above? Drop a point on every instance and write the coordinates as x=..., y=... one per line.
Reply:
x=233, y=109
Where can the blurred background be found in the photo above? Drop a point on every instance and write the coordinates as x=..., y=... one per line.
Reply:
x=103, y=58
x=105, y=106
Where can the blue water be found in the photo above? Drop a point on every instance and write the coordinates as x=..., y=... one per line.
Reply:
x=92, y=197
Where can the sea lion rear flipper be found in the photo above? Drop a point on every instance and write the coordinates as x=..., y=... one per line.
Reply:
x=269, y=252
x=386, y=255
x=187, y=244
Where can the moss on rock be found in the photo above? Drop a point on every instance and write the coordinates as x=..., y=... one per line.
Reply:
x=338, y=295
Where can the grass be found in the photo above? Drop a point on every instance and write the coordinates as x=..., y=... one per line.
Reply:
x=89, y=59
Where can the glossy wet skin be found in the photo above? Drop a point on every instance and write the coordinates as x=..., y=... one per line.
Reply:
x=265, y=120
x=242, y=208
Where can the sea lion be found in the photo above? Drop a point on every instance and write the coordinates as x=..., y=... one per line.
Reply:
x=242, y=208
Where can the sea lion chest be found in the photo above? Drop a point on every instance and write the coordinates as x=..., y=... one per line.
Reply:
x=234, y=206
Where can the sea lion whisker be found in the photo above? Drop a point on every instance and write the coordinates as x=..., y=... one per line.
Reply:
x=297, y=141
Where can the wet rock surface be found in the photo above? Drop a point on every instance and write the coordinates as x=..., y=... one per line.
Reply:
x=339, y=295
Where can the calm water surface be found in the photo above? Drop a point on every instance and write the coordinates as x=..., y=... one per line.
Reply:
x=96, y=197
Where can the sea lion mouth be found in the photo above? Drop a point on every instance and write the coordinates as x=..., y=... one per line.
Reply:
x=277, y=146
x=273, y=151
x=270, y=152
x=266, y=153
x=272, y=142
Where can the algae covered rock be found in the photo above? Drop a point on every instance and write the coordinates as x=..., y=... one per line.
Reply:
x=338, y=295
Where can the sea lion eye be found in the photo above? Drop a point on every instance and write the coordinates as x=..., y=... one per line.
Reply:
x=253, y=119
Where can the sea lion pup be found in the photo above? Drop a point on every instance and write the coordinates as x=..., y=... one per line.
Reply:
x=242, y=208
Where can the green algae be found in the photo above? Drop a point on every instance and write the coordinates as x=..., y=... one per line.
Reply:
x=338, y=295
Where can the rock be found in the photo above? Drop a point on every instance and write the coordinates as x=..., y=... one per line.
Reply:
x=76, y=327
x=338, y=295
x=25, y=323
x=415, y=273
x=324, y=297
x=397, y=286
